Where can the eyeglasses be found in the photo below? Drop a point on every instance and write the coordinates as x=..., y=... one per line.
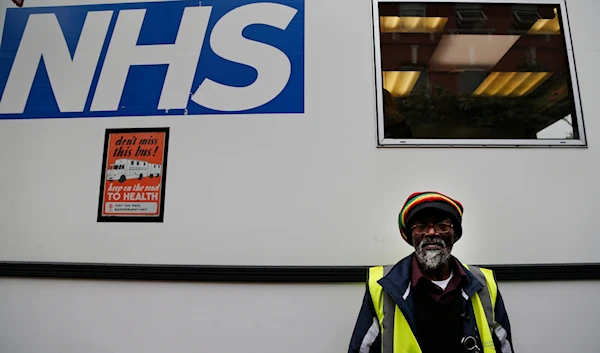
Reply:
x=442, y=228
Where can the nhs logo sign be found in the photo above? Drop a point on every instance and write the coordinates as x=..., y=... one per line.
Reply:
x=153, y=58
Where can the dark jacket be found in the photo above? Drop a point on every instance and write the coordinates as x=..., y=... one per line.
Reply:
x=367, y=331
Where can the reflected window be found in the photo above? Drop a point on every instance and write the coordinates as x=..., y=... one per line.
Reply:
x=475, y=74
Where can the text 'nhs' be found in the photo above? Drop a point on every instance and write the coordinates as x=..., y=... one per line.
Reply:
x=153, y=58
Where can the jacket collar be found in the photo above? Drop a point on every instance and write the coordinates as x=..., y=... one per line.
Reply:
x=397, y=283
x=399, y=277
x=473, y=286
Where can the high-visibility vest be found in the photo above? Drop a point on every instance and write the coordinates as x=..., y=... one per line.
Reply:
x=396, y=334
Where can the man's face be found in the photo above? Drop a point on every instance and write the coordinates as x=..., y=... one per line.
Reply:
x=433, y=238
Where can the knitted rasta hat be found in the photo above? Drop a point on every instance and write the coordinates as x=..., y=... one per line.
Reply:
x=419, y=201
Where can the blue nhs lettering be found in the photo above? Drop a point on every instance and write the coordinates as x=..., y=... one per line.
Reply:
x=153, y=58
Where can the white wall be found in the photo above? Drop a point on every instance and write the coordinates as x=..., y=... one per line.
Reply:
x=52, y=316
x=309, y=189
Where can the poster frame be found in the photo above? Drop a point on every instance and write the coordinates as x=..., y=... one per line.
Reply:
x=161, y=206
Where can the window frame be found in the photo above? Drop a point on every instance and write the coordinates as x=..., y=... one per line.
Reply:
x=414, y=142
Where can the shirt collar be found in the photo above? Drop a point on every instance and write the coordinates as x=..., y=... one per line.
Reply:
x=417, y=273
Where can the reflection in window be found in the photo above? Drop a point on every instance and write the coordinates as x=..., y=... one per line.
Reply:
x=562, y=129
x=475, y=71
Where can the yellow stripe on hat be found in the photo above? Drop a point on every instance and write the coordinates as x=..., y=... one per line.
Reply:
x=426, y=198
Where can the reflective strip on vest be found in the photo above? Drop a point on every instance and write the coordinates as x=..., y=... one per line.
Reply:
x=485, y=334
x=488, y=297
x=503, y=337
x=402, y=339
x=396, y=335
x=484, y=305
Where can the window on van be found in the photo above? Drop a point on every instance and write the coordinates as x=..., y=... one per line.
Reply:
x=475, y=73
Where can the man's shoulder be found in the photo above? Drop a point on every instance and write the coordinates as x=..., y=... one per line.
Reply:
x=470, y=267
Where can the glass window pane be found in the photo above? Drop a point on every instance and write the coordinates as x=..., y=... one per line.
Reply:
x=486, y=71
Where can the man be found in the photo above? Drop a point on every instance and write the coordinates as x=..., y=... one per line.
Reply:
x=430, y=302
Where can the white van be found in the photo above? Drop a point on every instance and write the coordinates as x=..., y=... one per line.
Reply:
x=124, y=169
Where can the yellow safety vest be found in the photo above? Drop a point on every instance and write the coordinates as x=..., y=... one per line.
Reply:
x=401, y=339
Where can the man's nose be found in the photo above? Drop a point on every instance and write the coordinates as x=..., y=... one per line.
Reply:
x=430, y=230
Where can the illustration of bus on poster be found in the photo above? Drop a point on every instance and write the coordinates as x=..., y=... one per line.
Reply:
x=133, y=178
x=124, y=169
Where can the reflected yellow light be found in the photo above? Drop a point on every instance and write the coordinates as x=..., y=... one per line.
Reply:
x=546, y=26
x=511, y=84
x=400, y=83
x=407, y=24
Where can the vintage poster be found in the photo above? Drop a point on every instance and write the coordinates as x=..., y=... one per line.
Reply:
x=134, y=170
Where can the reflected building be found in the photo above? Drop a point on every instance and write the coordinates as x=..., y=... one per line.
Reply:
x=476, y=71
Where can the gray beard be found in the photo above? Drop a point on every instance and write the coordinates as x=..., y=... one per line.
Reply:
x=432, y=259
